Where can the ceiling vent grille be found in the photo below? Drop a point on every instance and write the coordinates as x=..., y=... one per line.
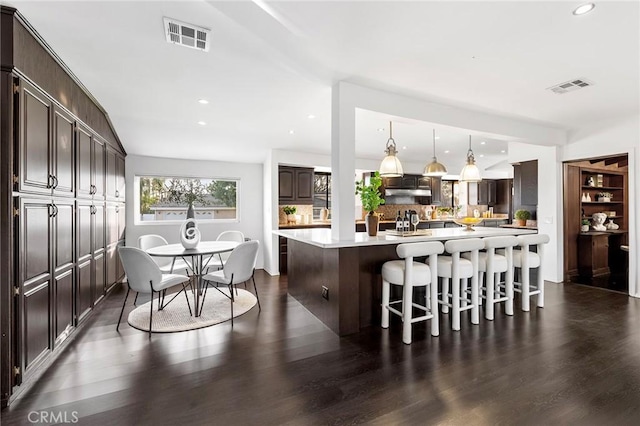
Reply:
x=570, y=86
x=187, y=35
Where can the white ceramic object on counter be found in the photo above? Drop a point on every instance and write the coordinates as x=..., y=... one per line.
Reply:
x=598, y=221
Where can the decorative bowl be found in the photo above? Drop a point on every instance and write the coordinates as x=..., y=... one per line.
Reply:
x=467, y=222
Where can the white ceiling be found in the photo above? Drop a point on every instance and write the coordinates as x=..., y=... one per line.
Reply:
x=271, y=64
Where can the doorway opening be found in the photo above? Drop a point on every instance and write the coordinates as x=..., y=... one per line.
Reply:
x=596, y=222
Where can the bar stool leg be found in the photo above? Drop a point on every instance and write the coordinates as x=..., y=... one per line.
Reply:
x=490, y=293
x=480, y=286
x=475, y=309
x=524, y=272
x=508, y=284
x=465, y=292
x=407, y=308
x=445, y=295
x=385, y=303
x=455, y=301
x=540, y=287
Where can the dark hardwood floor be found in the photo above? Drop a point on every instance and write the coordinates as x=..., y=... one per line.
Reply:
x=577, y=361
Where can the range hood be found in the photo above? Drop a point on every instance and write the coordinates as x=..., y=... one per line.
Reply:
x=408, y=192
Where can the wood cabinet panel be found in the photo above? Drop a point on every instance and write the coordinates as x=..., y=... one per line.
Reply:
x=99, y=172
x=84, y=163
x=122, y=217
x=83, y=230
x=63, y=217
x=98, y=277
x=110, y=174
x=120, y=177
x=111, y=268
x=84, y=300
x=35, y=239
x=37, y=325
x=304, y=185
x=98, y=227
x=425, y=182
x=286, y=188
x=35, y=134
x=63, y=153
x=436, y=191
x=111, y=224
x=63, y=290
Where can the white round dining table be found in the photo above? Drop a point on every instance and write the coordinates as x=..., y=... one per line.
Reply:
x=197, y=263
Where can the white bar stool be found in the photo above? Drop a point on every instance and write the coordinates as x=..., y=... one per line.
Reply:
x=491, y=264
x=455, y=269
x=526, y=260
x=400, y=272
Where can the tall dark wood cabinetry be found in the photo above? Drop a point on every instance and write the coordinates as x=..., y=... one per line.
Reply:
x=61, y=205
x=295, y=185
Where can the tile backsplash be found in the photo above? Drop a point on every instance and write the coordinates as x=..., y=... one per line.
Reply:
x=301, y=210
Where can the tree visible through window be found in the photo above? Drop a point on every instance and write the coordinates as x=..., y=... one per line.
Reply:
x=169, y=198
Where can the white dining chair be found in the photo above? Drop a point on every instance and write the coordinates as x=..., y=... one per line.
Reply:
x=456, y=269
x=218, y=261
x=167, y=265
x=410, y=274
x=239, y=268
x=144, y=276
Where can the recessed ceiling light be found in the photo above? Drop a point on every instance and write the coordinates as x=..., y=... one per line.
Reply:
x=404, y=147
x=483, y=143
x=202, y=123
x=381, y=130
x=503, y=151
x=203, y=101
x=481, y=155
x=582, y=9
x=437, y=137
x=291, y=131
x=446, y=152
x=311, y=116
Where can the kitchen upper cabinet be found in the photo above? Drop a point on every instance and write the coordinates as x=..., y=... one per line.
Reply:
x=120, y=183
x=487, y=192
x=424, y=182
x=110, y=174
x=84, y=167
x=99, y=166
x=295, y=185
x=436, y=191
x=392, y=182
x=35, y=140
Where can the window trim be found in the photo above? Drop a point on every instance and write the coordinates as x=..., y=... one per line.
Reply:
x=136, y=201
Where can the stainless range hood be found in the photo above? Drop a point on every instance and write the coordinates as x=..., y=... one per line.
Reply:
x=408, y=192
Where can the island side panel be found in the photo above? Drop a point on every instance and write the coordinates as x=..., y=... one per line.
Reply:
x=309, y=268
x=370, y=264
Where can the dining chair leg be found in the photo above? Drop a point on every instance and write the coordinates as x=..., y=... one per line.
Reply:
x=231, y=293
x=256, y=290
x=122, y=310
x=184, y=288
x=151, y=313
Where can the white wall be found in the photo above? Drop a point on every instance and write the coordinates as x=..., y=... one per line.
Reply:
x=620, y=136
x=250, y=196
x=549, y=211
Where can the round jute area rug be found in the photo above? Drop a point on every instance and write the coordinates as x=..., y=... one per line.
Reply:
x=175, y=317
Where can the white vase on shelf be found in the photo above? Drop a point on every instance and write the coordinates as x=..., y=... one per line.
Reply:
x=588, y=198
x=584, y=197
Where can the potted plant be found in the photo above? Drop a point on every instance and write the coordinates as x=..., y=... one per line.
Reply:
x=290, y=211
x=585, y=225
x=521, y=216
x=605, y=197
x=371, y=200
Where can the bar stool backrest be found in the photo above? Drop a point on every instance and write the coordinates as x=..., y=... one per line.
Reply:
x=419, y=249
x=468, y=244
x=535, y=239
x=500, y=242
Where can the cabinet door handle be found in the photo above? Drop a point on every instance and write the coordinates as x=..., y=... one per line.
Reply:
x=50, y=181
x=50, y=210
x=55, y=182
x=117, y=209
x=117, y=193
x=55, y=210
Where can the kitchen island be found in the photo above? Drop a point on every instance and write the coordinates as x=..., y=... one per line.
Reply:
x=350, y=270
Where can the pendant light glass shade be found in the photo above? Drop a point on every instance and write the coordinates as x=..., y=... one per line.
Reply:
x=434, y=168
x=470, y=172
x=390, y=166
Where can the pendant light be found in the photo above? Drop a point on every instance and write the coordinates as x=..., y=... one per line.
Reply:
x=434, y=168
x=470, y=172
x=390, y=166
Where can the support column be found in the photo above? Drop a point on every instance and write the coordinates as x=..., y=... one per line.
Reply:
x=343, y=147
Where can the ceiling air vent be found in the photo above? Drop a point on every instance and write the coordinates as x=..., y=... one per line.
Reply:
x=570, y=86
x=187, y=35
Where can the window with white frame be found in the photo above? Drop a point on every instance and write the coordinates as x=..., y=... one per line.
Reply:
x=165, y=199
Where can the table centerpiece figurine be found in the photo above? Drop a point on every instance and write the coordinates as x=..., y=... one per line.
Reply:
x=189, y=234
x=371, y=200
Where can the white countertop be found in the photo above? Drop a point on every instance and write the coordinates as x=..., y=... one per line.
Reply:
x=321, y=237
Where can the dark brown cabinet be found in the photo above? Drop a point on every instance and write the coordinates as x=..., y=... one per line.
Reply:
x=436, y=191
x=63, y=161
x=593, y=254
x=63, y=217
x=295, y=185
x=487, y=192
x=120, y=183
x=35, y=135
x=84, y=247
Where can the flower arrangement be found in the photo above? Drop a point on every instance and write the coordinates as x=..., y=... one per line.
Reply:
x=605, y=196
